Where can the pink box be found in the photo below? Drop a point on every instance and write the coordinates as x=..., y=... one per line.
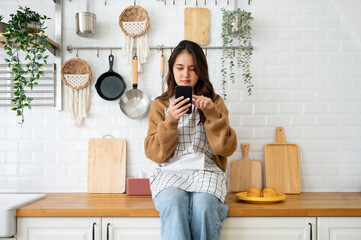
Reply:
x=138, y=187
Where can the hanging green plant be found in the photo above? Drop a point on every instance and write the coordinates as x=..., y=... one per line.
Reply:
x=236, y=31
x=25, y=46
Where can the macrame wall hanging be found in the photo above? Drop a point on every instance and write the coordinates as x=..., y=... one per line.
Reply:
x=76, y=75
x=134, y=22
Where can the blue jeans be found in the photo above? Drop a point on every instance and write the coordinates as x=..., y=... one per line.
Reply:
x=189, y=215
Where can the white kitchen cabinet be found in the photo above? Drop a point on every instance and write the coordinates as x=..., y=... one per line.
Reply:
x=277, y=228
x=240, y=228
x=132, y=228
x=339, y=228
x=58, y=228
x=86, y=228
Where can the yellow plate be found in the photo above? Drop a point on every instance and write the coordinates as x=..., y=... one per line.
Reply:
x=243, y=196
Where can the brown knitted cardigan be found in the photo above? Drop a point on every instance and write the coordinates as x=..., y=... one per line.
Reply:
x=161, y=139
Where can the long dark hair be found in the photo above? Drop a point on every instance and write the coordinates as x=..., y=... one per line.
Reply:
x=203, y=86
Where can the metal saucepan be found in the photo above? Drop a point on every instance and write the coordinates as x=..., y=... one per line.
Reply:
x=85, y=22
x=134, y=103
x=110, y=85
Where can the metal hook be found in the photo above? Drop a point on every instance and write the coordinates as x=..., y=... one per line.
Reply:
x=185, y=2
x=227, y=2
x=171, y=51
x=234, y=52
x=98, y=52
x=196, y=2
x=111, y=51
x=135, y=2
x=161, y=48
x=105, y=2
x=249, y=2
x=173, y=2
x=77, y=52
x=165, y=2
x=215, y=1
x=205, y=2
x=206, y=52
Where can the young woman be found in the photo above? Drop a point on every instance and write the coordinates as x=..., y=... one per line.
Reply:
x=189, y=186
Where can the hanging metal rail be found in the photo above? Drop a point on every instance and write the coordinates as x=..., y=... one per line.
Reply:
x=159, y=48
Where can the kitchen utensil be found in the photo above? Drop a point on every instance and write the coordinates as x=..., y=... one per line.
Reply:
x=243, y=196
x=85, y=22
x=138, y=187
x=134, y=103
x=110, y=85
x=76, y=75
x=196, y=25
x=245, y=173
x=162, y=65
x=162, y=71
x=282, y=167
x=107, y=165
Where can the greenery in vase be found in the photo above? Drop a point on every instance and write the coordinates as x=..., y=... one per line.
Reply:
x=236, y=31
x=25, y=46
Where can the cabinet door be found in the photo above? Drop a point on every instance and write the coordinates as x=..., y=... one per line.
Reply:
x=58, y=228
x=277, y=228
x=131, y=228
x=339, y=228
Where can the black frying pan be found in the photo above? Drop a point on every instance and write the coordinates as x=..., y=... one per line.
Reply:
x=110, y=85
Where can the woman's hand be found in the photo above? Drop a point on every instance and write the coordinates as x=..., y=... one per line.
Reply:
x=175, y=108
x=202, y=103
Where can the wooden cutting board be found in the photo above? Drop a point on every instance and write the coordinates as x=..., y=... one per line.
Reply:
x=282, y=167
x=196, y=25
x=245, y=173
x=106, y=165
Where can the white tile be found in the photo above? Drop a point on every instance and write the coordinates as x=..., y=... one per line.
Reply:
x=27, y=146
x=31, y=170
x=278, y=121
x=264, y=108
x=7, y=145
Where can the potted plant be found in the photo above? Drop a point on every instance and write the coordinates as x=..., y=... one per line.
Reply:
x=236, y=31
x=2, y=24
x=25, y=46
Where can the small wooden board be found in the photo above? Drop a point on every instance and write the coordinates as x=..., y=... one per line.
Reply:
x=245, y=173
x=282, y=167
x=196, y=25
x=106, y=165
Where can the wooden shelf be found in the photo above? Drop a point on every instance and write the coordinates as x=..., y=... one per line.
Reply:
x=52, y=48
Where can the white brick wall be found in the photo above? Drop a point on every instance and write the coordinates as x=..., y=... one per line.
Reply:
x=306, y=69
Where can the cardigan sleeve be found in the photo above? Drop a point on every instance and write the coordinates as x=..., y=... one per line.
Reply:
x=221, y=137
x=161, y=138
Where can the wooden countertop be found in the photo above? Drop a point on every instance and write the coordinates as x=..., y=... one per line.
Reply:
x=121, y=205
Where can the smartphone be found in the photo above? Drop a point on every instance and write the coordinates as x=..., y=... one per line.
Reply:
x=185, y=91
